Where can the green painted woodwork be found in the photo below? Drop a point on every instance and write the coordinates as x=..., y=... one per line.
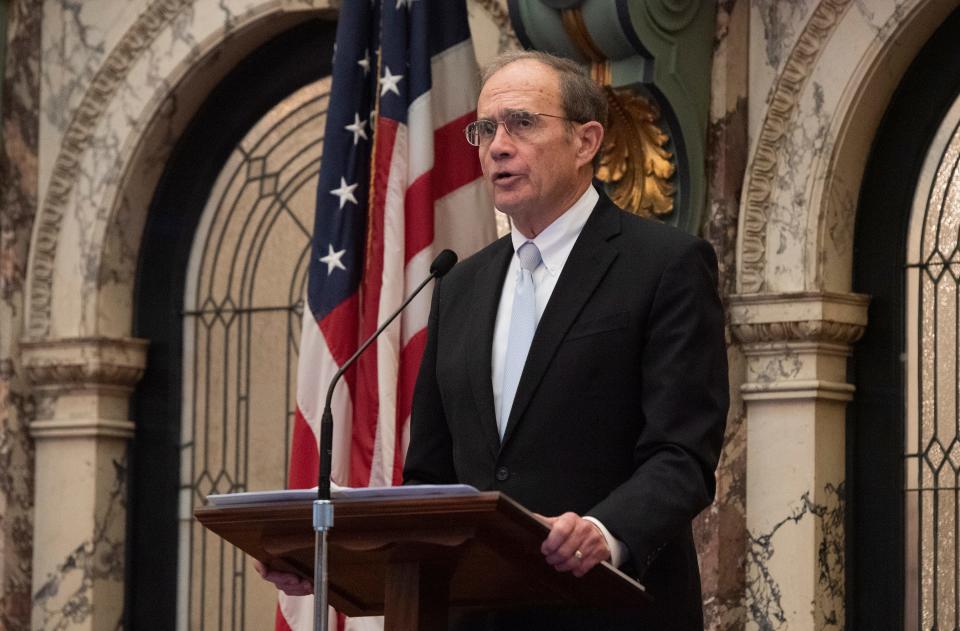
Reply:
x=661, y=49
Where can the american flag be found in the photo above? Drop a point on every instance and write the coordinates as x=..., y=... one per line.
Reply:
x=398, y=183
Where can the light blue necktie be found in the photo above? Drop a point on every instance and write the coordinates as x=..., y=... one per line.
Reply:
x=523, y=324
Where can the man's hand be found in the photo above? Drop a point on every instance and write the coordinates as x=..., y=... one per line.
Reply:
x=574, y=544
x=289, y=584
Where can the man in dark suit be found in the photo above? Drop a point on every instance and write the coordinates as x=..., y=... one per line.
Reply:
x=578, y=365
x=618, y=407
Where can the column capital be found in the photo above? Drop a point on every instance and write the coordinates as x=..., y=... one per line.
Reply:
x=83, y=385
x=760, y=320
x=797, y=344
x=78, y=363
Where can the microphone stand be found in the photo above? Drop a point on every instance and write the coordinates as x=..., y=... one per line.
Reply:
x=323, y=506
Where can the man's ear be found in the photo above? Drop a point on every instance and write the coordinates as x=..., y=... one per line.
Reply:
x=590, y=136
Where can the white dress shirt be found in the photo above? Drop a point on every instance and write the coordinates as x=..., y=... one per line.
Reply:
x=555, y=243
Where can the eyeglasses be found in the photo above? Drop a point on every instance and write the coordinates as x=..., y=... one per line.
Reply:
x=519, y=124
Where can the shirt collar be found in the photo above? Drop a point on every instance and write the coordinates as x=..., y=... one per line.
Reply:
x=556, y=240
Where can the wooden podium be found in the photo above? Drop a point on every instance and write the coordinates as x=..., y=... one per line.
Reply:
x=411, y=560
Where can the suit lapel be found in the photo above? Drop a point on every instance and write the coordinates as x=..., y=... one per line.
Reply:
x=586, y=266
x=488, y=285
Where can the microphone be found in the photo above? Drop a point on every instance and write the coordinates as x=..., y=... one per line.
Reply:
x=440, y=266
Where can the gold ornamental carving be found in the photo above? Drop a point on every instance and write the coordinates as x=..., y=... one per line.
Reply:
x=634, y=161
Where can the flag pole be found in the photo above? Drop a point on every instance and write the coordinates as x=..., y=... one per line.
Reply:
x=323, y=505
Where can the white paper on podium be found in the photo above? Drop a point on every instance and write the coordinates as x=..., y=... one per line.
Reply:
x=412, y=491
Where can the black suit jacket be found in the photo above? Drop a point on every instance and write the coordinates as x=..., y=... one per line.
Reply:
x=619, y=413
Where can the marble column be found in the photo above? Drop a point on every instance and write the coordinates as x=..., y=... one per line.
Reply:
x=81, y=428
x=796, y=391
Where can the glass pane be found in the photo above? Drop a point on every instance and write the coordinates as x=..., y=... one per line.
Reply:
x=241, y=329
x=932, y=443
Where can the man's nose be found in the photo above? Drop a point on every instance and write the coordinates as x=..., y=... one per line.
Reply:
x=502, y=143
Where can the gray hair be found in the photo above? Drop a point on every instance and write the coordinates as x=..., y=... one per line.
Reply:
x=582, y=98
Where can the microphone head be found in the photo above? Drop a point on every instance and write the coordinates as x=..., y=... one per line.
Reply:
x=443, y=263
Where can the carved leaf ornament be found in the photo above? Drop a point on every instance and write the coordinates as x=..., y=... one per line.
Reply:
x=634, y=163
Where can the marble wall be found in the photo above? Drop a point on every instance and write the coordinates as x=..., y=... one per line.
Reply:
x=117, y=83
x=720, y=531
x=824, y=72
x=94, y=100
x=18, y=201
x=821, y=75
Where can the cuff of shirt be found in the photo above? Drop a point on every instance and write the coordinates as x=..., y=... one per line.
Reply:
x=619, y=554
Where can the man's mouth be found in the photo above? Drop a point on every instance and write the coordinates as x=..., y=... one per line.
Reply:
x=504, y=177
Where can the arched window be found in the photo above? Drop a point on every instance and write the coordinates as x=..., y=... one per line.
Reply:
x=902, y=431
x=220, y=284
x=932, y=439
x=242, y=315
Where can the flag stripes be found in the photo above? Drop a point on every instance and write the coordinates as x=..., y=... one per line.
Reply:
x=398, y=183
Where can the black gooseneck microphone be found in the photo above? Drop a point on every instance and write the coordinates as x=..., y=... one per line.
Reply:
x=440, y=266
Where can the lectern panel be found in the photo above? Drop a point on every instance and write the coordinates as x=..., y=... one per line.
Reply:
x=486, y=546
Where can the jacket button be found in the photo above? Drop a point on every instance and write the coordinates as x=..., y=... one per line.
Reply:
x=502, y=474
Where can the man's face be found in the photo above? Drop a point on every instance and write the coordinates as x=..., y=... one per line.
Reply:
x=538, y=176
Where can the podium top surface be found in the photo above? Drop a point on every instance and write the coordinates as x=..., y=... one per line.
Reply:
x=486, y=545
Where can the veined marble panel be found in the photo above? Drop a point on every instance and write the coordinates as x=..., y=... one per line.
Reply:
x=774, y=29
x=84, y=166
x=893, y=32
x=720, y=531
x=102, y=151
x=780, y=135
x=85, y=588
x=771, y=552
x=18, y=202
x=490, y=29
x=78, y=37
x=727, y=135
x=810, y=143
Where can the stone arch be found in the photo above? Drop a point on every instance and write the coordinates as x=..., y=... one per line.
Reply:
x=796, y=220
x=112, y=152
x=97, y=179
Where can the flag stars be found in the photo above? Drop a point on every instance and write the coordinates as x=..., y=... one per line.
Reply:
x=345, y=192
x=332, y=259
x=359, y=130
x=365, y=62
x=389, y=81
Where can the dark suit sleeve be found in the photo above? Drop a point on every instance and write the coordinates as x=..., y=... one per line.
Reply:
x=684, y=399
x=430, y=455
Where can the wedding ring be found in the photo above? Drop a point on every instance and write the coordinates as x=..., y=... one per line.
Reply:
x=578, y=554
